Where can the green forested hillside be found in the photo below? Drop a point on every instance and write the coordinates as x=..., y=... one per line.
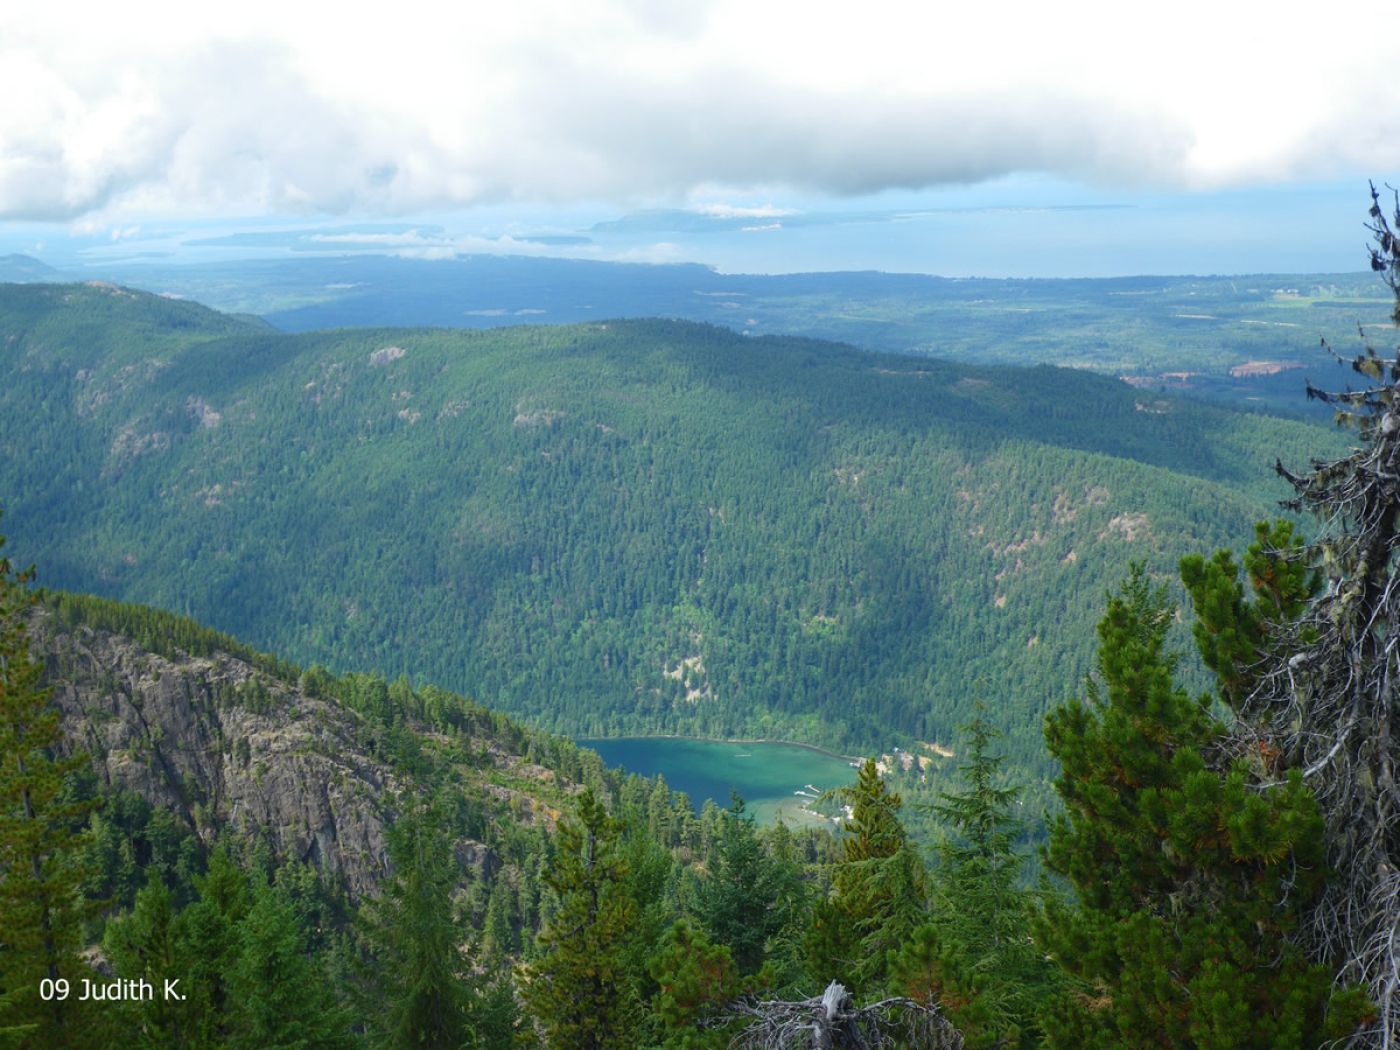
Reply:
x=634, y=526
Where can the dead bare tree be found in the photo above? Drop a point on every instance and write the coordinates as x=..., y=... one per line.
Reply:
x=1328, y=703
x=832, y=1021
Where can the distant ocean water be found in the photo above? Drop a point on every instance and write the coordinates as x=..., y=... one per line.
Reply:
x=1218, y=234
x=1022, y=226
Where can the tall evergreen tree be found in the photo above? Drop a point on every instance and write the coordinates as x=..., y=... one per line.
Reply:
x=695, y=978
x=647, y=871
x=1187, y=882
x=1317, y=693
x=40, y=876
x=975, y=955
x=579, y=990
x=208, y=933
x=279, y=998
x=239, y=960
x=879, y=891
x=741, y=900
x=498, y=937
x=146, y=944
x=792, y=895
x=422, y=1000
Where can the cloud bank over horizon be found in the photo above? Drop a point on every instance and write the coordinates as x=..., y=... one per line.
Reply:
x=151, y=108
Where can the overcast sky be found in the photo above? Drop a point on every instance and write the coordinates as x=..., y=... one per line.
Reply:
x=118, y=112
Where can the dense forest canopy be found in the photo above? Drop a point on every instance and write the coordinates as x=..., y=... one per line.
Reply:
x=620, y=527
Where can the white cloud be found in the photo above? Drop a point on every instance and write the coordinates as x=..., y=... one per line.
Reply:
x=442, y=251
x=116, y=110
x=738, y=211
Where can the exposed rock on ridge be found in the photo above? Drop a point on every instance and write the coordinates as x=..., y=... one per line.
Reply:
x=225, y=746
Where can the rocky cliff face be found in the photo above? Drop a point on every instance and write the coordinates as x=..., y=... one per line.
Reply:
x=226, y=746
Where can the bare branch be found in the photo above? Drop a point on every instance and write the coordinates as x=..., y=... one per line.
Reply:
x=1328, y=705
x=832, y=1021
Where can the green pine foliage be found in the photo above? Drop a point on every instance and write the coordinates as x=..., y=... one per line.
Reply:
x=146, y=945
x=1187, y=883
x=1233, y=633
x=649, y=881
x=500, y=938
x=879, y=891
x=211, y=932
x=128, y=840
x=793, y=860
x=419, y=990
x=749, y=896
x=695, y=979
x=41, y=848
x=279, y=996
x=239, y=957
x=579, y=990
x=975, y=956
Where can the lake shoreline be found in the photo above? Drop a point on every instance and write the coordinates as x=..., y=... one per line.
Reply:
x=775, y=778
x=724, y=740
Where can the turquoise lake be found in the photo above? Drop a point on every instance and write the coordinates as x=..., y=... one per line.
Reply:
x=767, y=775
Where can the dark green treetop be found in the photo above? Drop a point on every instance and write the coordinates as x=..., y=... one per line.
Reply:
x=416, y=938
x=695, y=979
x=1188, y=882
x=40, y=846
x=746, y=897
x=878, y=890
x=579, y=990
x=1235, y=633
x=975, y=956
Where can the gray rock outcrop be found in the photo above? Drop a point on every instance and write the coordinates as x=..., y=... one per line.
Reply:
x=226, y=746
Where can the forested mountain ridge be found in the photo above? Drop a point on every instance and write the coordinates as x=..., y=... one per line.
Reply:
x=624, y=526
x=239, y=746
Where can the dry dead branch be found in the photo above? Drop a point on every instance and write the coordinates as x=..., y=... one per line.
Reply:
x=1328, y=706
x=832, y=1021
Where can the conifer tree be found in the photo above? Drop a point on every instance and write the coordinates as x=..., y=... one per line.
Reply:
x=1240, y=637
x=647, y=870
x=879, y=891
x=40, y=876
x=792, y=896
x=975, y=956
x=1317, y=692
x=208, y=931
x=419, y=969
x=1187, y=881
x=579, y=991
x=741, y=901
x=279, y=999
x=498, y=939
x=496, y=1023
x=239, y=960
x=695, y=978
x=146, y=945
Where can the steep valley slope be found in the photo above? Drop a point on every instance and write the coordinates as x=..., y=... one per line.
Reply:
x=639, y=526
